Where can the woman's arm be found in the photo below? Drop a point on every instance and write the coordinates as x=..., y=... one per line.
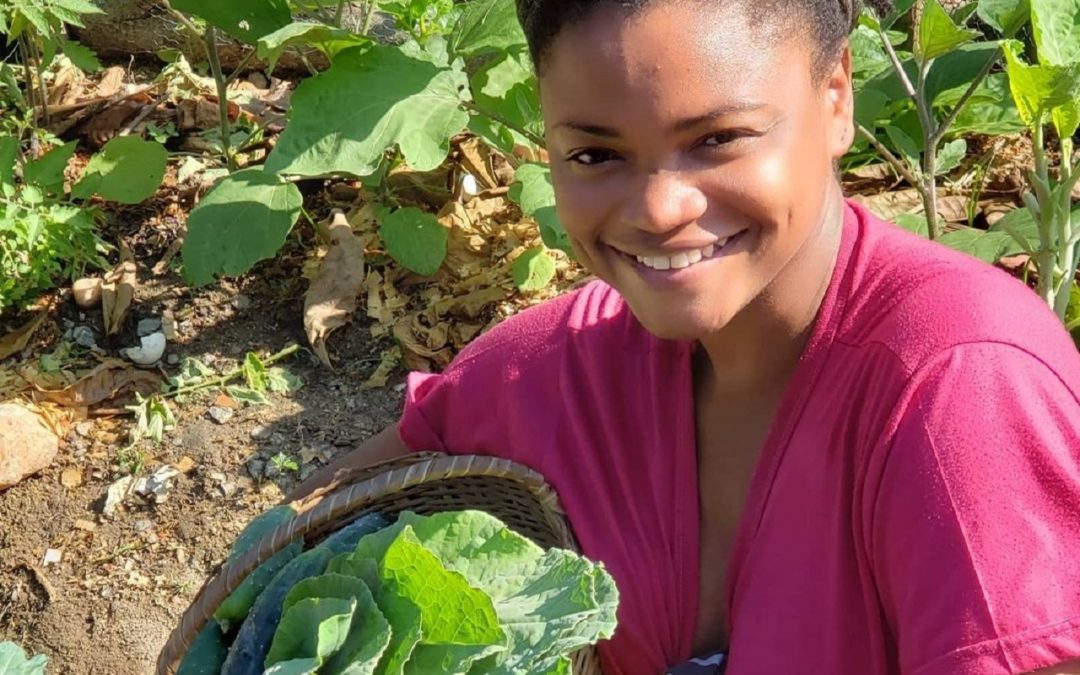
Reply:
x=383, y=446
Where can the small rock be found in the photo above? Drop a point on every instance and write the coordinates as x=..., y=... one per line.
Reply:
x=84, y=428
x=150, y=350
x=148, y=326
x=143, y=525
x=228, y=488
x=258, y=79
x=181, y=556
x=107, y=592
x=261, y=433
x=184, y=327
x=84, y=337
x=241, y=302
x=85, y=525
x=52, y=556
x=172, y=359
x=220, y=414
x=256, y=467
x=71, y=478
x=344, y=193
x=27, y=445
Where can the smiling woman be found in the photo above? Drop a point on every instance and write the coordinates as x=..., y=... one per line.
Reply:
x=801, y=439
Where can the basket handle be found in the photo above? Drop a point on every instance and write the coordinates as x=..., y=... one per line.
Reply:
x=346, y=494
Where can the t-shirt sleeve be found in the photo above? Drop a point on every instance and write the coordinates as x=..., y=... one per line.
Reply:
x=975, y=524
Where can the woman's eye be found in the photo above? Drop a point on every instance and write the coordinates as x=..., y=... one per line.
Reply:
x=590, y=157
x=720, y=139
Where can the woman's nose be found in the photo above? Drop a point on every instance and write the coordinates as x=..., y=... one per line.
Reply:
x=667, y=201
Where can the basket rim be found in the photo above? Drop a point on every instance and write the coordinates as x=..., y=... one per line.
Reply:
x=346, y=494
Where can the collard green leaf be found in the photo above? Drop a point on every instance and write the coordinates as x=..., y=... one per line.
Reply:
x=985, y=245
x=534, y=269
x=1005, y=16
x=207, y=654
x=13, y=661
x=369, y=634
x=534, y=193
x=343, y=120
x=313, y=628
x=47, y=172
x=1039, y=89
x=1056, y=24
x=245, y=20
x=242, y=220
x=938, y=34
x=81, y=56
x=294, y=667
x=127, y=170
x=415, y=239
x=486, y=26
x=330, y=40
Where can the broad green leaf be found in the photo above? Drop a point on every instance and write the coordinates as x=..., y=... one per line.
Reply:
x=292, y=667
x=330, y=585
x=486, y=26
x=1038, y=89
x=313, y=628
x=82, y=57
x=13, y=661
x=991, y=111
x=247, y=395
x=245, y=20
x=207, y=654
x=369, y=633
x=282, y=381
x=905, y=144
x=82, y=7
x=869, y=105
x=534, y=193
x=343, y=120
x=1005, y=16
x=9, y=157
x=254, y=372
x=242, y=220
x=913, y=222
x=958, y=68
x=507, y=87
x=938, y=34
x=330, y=40
x=1066, y=118
x=534, y=269
x=1056, y=24
x=47, y=172
x=985, y=245
x=950, y=155
x=868, y=58
x=127, y=170
x=1021, y=226
x=415, y=239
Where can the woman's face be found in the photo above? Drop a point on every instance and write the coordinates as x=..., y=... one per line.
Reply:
x=692, y=156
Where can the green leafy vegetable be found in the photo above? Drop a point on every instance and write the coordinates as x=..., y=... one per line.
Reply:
x=127, y=170
x=13, y=661
x=938, y=34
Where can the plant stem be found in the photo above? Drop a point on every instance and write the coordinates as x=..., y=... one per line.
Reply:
x=929, y=158
x=893, y=160
x=42, y=89
x=28, y=77
x=235, y=372
x=222, y=93
x=240, y=67
x=369, y=17
x=1046, y=260
x=339, y=12
x=899, y=67
x=947, y=123
x=537, y=140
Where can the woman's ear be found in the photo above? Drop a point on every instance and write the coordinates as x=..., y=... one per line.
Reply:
x=840, y=105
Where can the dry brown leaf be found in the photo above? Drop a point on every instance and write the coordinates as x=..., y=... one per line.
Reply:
x=888, y=205
x=390, y=358
x=476, y=159
x=471, y=304
x=225, y=401
x=111, y=82
x=332, y=297
x=953, y=208
x=15, y=341
x=103, y=383
x=118, y=291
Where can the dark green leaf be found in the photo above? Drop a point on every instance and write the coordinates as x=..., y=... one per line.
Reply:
x=242, y=220
x=313, y=628
x=343, y=120
x=905, y=144
x=869, y=105
x=868, y=57
x=82, y=57
x=938, y=34
x=913, y=222
x=535, y=195
x=991, y=111
x=245, y=20
x=1056, y=24
x=415, y=239
x=534, y=269
x=127, y=170
x=1005, y=16
x=47, y=172
x=987, y=246
x=328, y=39
x=899, y=9
x=486, y=26
x=9, y=156
x=958, y=68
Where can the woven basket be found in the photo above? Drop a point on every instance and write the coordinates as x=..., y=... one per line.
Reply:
x=425, y=483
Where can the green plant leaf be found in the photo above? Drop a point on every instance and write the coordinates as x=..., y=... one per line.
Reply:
x=415, y=239
x=986, y=245
x=247, y=395
x=1005, y=16
x=1039, y=89
x=914, y=223
x=343, y=120
x=905, y=144
x=245, y=20
x=534, y=269
x=313, y=628
x=869, y=105
x=534, y=193
x=13, y=661
x=82, y=57
x=9, y=157
x=81, y=7
x=330, y=40
x=868, y=58
x=486, y=26
x=242, y=220
x=35, y=15
x=282, y=381
x=293, y=667
x=1056, y=25
x=507, y=87
x=937, y=34
x=898, y=9
x=1021, y=226
x=47, y=172
x=950, y=155
x=127, y=170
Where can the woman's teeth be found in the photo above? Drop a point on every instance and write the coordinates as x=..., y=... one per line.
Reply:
x=681, y=259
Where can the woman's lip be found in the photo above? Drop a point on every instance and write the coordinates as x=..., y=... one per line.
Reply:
x=667, y=279
x=729, y=242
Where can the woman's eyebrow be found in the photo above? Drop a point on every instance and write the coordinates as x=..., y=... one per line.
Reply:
x=680, y=125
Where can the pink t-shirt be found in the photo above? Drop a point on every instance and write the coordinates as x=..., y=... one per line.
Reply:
x=916, y=505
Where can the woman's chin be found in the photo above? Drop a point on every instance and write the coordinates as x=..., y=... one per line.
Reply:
x=687, y=326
